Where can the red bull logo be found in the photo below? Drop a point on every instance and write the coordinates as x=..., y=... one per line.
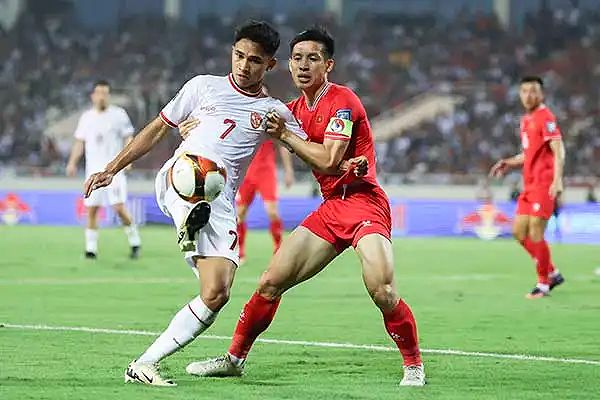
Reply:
x=487, y=222
x=81, y=211
x=13, y=209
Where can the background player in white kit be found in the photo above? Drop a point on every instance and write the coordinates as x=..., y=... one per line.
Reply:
x=101, y=131
x=230, y=111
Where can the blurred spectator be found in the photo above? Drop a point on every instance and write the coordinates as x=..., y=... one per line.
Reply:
x=46, y=68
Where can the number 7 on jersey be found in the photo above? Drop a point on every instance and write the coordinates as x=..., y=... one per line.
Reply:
x=231, y=127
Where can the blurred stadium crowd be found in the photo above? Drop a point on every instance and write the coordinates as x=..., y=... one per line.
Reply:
x=46, y=68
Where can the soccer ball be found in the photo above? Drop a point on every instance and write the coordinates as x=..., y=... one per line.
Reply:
x=196, y=178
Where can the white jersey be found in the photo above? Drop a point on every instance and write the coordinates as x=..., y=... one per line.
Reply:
x=103, y=133
x=231, y=124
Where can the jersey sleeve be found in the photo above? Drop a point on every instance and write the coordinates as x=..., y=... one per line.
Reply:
x=81, y=129
x=180, y=107
x=126, y=125
x=345, y=111
x=291, y=123
x=550, y=128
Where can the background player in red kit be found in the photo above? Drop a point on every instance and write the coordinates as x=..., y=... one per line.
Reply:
x=261, y=177
x=355, y=212
x=542, y=159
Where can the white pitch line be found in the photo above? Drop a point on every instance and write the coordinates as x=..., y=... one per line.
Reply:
x=450, y=352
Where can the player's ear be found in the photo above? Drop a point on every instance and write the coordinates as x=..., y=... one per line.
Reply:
x=290, y=65
x=271, y=64
x=330, y=64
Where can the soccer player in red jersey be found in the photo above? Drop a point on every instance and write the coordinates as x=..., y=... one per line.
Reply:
x=542, y=160
x=355, y=212
x=261, y=177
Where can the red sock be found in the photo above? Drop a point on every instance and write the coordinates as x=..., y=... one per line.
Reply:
x=254, y=320
x=402, y=328
x=276, y=231
x=241, y=231
x=532, y=249
x=542, y=256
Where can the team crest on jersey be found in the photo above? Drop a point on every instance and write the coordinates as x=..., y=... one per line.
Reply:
x=551, y=126
x=255, y=119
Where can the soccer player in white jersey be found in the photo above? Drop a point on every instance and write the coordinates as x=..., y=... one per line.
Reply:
x=101, y=131
x=231, y=110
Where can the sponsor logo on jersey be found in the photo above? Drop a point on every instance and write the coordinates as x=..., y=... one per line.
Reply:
x=345, y=113
x=550, y=126
x=255, y=119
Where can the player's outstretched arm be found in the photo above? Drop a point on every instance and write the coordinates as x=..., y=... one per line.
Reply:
x=506, y=164
x=558, y=150
x=141, y=144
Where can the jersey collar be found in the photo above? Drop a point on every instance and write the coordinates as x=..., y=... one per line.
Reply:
x=238, y=89
x=324, y=89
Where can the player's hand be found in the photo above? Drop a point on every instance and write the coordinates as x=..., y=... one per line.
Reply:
x=97, y=181
x=360, y=165
x=186, y=127
x=275, y=125
x=71, y=170
x=556, y=189
x=289, y=179
x=499, y=169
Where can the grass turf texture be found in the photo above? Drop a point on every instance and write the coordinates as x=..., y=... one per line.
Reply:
x=466, y=295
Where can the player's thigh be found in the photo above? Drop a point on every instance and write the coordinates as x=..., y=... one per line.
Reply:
x=537, y=227
x=376, y=256
x=272, y=209
x=521, y=227
x=302, y=255
x=245, y=197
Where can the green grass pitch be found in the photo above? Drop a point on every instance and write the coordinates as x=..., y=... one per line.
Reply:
x=466, y=295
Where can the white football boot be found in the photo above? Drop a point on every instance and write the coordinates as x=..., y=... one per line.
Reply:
x=414, y=375
x=195, y=220
x=216, y=367
x=146, y=373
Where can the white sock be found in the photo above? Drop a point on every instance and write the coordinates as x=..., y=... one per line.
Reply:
x=91, y=240
x=133, y=236
x=554, y=273
x=193, y=319
x=543, y=287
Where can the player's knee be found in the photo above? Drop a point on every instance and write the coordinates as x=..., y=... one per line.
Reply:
x=269, y=287
x=215, y=297
x=383, y=295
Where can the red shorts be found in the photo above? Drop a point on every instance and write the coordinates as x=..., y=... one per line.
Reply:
x=264, y=183
x=536, y=202
x=343, y=222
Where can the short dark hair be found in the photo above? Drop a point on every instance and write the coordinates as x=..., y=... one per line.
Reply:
x=532, y=78
x=315, y=34
x=100, y=82
x=259, y=32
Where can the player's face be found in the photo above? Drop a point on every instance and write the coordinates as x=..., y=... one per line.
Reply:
x=309, y=65
x=531, y=95
x=100, y=97
x=249, y=64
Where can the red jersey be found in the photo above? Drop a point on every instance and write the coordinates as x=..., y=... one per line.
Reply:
x=264, y=160
x=538, y=128
x=337, y=114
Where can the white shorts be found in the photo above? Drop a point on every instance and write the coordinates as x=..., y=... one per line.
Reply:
x=217, y=239
x=114, y=193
